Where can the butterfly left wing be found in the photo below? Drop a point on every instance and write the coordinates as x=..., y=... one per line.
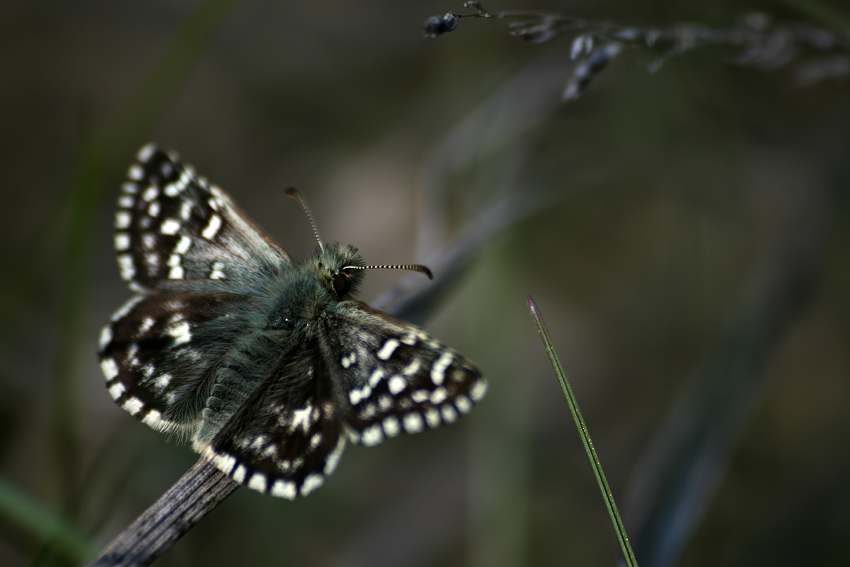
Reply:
x=390, y=376
x=286, y=438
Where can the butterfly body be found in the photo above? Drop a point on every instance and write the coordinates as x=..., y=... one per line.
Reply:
x=266, y=365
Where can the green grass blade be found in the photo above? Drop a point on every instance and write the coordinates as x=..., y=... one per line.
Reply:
x=98, y=162
x=44, y=524
x=607, y=496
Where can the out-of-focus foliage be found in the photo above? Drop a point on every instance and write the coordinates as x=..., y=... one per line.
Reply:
x=685, y=231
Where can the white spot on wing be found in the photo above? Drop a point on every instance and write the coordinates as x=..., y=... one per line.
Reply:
x=151, y=193
x=224, y=463
x=180, y=333
x=217, y=271
x=109, y=368
x=145, y=152
x=146, y=325
x=212, y=227
x=419, y=396
x=153, y=419
x=185, y=210
x=105, y=337
x=152, y=260
x=258, y=482
x=122, y=241
x=478, y=390
x=301, y=417
x=438, y=370
x=170, y=226
x=388, y=349
x=333, y=458
x=163, y=380
x=132, y=405
x=449, y=414
x=239, y=474
x=135, y=172
x=126, y=308
x=354, y=396
x=117, y=390
x=311, y=483
x=432, y=416
x=412, y=368
x=372, y=436
x=183, y=245
x=122, y=219
x=391, y=426
x=376, y=377
x=410, y=338
x=348, y=360
x=284, y=489
x=396, y=384
x=439, y=395
x=413, y=423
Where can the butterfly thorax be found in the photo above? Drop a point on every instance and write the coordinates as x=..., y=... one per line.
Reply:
x=304, y=294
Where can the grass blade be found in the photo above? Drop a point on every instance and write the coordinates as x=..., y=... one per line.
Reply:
x=44, y=524
x=607, y=496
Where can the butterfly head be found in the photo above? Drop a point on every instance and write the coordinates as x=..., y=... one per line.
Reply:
x=339, y=266
x=339, y=269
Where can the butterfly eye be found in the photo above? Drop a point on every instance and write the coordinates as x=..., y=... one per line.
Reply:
x=341, y=284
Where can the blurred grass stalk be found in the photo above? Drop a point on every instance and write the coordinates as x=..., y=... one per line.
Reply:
x=45, y=524
x=601, y=481
x=488, y=150
x=823, y=12
x=683, y=465
x=101, y=157
x=100, y=161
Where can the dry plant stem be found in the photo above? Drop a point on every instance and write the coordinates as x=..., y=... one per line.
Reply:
x=192, y=497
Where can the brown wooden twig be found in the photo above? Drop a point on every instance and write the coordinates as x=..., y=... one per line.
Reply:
x=192, y=497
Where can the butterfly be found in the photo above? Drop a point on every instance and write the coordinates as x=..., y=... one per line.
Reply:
x=266, y=365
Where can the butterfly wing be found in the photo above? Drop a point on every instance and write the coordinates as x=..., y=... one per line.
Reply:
x=390, y=376
x=159, y=351
x=200, y=264
x=286, y=438
x=367, y=377
x=174, y=230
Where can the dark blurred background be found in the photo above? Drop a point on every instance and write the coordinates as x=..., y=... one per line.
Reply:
x=685, y=234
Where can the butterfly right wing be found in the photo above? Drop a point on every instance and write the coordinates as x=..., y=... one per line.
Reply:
x=175, y=230
x=391, y=377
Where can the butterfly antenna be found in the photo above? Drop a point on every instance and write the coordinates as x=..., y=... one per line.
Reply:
x=410, y=267
x=295, y=194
